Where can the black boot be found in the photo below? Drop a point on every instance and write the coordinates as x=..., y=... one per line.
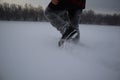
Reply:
x=76, y=38
x=70, y=33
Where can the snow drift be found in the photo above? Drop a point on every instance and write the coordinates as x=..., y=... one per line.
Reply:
x=29, y=51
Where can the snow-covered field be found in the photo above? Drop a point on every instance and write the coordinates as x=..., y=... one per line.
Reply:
x=29, y=51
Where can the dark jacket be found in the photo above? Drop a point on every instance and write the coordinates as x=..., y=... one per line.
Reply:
x=68, y=5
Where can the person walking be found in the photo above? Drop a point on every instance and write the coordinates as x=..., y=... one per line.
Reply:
x=64, y=15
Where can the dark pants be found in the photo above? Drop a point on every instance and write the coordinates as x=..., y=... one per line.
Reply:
x=62, y=19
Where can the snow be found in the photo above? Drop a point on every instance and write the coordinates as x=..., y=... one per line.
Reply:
x=29, y=51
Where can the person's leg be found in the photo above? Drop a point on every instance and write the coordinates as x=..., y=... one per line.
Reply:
x=74, y=19
x=56, y=18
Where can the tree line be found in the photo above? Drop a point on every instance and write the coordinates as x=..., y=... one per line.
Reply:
x=14, y=12
x=90, y=17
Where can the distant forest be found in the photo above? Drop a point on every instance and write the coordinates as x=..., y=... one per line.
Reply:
x=14, y=12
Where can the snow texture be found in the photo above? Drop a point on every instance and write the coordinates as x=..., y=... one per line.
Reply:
x=29, y=51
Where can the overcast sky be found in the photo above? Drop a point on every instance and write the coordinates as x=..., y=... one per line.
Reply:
x=100, y=6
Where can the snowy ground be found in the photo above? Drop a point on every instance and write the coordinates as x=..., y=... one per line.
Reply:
x=29, y=51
